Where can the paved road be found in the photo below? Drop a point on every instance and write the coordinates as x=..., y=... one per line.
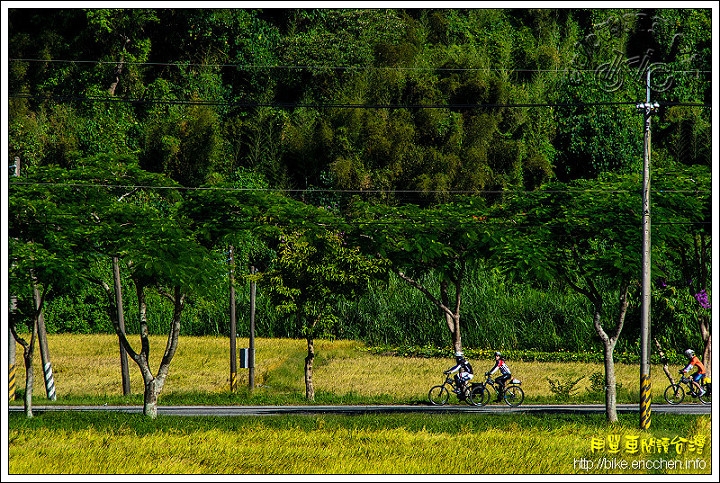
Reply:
x=377, y=409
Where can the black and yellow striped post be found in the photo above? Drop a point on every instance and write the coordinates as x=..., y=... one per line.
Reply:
x=11, y=368
x=645, y=398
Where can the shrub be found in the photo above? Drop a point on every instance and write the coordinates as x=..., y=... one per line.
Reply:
x=563, y=389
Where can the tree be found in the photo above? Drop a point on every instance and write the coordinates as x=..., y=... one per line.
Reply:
x=442, y=240
x=314, y=269
x=109, y=207
x=586, y=234
x=313, y=266
x=685, y=289
x=142, y=228
x=44, y=258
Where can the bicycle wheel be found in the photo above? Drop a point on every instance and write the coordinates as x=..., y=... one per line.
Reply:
x=514, y=396
x=707, y=397
x=438, y=395
x=674, y=394
x=479, y=396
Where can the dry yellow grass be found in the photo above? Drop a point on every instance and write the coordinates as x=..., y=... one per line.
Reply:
x=89, y=365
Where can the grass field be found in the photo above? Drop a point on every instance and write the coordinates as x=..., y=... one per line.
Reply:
x=89, y=366
x=86, y=370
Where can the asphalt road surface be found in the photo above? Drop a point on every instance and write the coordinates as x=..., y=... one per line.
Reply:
x=378, y=409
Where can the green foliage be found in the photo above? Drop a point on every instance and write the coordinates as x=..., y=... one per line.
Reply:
x=495, y=103
x=598, y=384
x=563, y=389
x=313, y=269
x=430, y=351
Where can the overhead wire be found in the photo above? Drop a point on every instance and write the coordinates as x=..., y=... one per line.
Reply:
x=332, y=190
x=251, y=104
x=326, y=67
x=339, y=105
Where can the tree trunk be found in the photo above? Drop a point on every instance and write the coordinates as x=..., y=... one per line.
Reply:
x=309, y=389
x=118, y=68
x=707, y=339
x=29, y=379
x=28, y=350
x=609, y=342
x=610, y=382
x=664, y=361
x=150, y=398
x=452, y=317
x=154, y=385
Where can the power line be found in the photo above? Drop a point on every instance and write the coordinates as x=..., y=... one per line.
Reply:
x=338, y=105
x=333, y=190
x=330, y=67
x=62, y=218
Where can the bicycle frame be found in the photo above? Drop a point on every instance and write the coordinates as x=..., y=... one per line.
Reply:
x=491, y=383
x=439, y=394
x=675, y=393
x=512, y=394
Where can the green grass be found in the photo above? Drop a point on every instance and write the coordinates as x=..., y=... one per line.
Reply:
x=116, y=443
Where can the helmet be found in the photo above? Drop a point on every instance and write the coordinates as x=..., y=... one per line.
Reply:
x=689, y=353
x=498, y=354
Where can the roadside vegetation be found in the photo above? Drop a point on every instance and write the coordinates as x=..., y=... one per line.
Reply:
x=346, y=372
x=517, y=444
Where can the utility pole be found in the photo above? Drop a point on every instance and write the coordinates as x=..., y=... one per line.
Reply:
x=648, y=108
x=11, y=352
x=251, y=350
x=125, y=371
x=43, y=343
x=13, y=309
x=233, y=325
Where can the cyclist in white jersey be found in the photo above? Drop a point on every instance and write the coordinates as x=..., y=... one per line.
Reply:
x=505, y=373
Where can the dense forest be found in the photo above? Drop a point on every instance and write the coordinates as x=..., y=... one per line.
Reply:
x=163, y=137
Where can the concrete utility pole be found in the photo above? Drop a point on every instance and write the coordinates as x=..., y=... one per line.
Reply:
x=251, y=350
x=233, y=324
x=124, y=370
x=43, y=343
x=12, y=384
x=11, y=353
x=648, y=108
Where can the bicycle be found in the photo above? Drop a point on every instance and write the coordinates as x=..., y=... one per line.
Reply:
x=439, y=395
x=513, y=394
x=675, y=393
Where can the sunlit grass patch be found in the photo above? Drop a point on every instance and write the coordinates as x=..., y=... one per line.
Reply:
x=96, y=443
x=87, y=367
